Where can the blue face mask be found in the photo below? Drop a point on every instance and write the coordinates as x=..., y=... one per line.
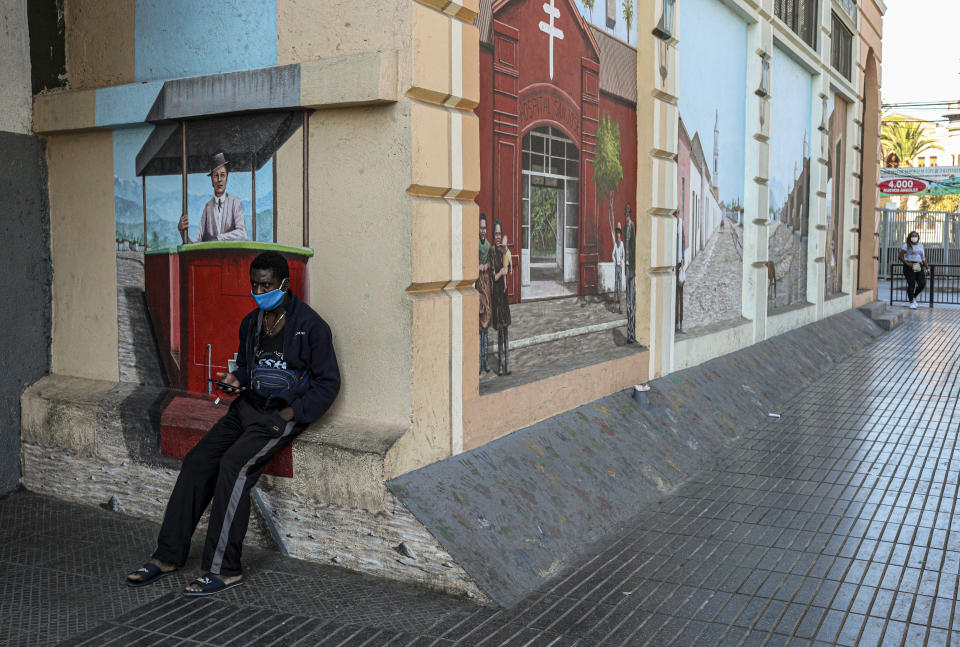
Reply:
x=269, y=300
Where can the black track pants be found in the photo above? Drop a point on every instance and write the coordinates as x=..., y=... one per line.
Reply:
x=916, y=281
x=222, y=467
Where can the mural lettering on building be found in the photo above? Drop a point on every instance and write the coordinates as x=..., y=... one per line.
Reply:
x=544, y=105
x=558, y=167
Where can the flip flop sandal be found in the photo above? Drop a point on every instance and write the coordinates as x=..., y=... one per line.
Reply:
x=210, y=584
x=149, y=573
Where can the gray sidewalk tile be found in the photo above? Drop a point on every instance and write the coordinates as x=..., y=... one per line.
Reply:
x=833, y=526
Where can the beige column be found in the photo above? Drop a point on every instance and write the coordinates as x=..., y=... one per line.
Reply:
x=756, y=177
x=445, y=178
x=817, y=241
x=289, y=191
x=870, y=176
x=83, y=254
x=851, y=201
x=657, y=123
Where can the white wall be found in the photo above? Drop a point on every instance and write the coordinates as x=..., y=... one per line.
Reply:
x=15, y=95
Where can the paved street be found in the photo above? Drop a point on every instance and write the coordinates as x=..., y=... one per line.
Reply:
x=832, y=525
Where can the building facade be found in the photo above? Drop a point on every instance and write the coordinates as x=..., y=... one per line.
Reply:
x=375, y=142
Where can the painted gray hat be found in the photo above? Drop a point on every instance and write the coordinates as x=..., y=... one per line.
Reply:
x=216, y=162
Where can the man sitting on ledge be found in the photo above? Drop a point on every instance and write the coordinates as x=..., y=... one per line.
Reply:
x=286, y=377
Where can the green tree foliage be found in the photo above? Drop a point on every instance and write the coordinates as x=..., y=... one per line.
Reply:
x=543, y=219
x=906, y=139
x=940, y=202
x=607, y=169
x=628, y=16
x=589, y=6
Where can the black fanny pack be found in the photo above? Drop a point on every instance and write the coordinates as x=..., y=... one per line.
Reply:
x=267, y=381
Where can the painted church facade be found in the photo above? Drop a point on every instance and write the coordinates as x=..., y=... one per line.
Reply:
x=547, y=79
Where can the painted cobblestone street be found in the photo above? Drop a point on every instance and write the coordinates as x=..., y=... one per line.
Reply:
x=139, y=359
x=561, y=329
x=834, y=524
x=712, y=290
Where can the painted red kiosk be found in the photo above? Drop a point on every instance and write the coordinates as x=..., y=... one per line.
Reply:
x=198, y=293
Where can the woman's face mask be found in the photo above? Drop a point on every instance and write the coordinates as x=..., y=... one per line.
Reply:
x=914, y=239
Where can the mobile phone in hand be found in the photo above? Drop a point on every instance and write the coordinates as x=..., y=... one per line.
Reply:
x=226, y=388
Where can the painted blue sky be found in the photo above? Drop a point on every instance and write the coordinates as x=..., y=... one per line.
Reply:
x=177, y=38
x=712, y=81
x=792, y=93
x=600, y=18
x=164, y=199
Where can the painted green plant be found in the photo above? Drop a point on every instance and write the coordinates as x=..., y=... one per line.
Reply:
x=543, y=221
x=607, y=168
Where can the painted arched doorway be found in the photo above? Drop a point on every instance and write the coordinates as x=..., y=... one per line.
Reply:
x=550, y=211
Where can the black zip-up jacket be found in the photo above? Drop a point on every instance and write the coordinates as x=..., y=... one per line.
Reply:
x=307, y=346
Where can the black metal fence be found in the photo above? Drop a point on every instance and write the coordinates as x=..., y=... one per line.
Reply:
x=939, y=233
x=943, y=285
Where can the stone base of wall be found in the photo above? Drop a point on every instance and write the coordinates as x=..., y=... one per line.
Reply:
x=97, y=443
x=517, y=510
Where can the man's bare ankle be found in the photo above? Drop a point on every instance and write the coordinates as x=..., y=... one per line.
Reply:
x=164, y=566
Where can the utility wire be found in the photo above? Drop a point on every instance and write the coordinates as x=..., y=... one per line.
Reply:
x=919, y=104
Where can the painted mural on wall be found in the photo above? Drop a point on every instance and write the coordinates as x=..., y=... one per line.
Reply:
x=187, y=225
x=836, y=189
x=558, y=167
x=710, y=162
x=788, y=229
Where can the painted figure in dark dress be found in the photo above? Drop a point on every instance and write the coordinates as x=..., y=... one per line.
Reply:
x=501, y=258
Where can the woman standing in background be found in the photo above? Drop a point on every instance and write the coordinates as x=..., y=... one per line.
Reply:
x=915, y=266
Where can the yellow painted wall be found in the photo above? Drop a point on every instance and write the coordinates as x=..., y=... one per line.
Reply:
x=360, y=230
x=308, y=29
x=99, y=42
x=289, y=191
x=82, y=224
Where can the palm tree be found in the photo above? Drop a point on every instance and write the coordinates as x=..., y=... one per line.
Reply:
x=906, y=139
x=628, y=16
x=589, y=6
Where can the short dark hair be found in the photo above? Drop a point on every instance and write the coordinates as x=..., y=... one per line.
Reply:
x=272, y=261
x=483, y=217
x=497, y=223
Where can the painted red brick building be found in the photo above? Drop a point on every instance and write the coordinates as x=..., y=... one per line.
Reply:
x=546, y=78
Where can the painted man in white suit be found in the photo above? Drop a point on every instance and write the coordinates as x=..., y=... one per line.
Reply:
x=222, y=217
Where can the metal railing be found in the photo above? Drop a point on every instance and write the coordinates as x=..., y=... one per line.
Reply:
x=943, y=285
x=800, y=16
x=939, y=233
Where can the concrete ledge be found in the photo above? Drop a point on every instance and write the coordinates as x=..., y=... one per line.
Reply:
x=696, y=349
x=368, y=78
x=64, y=111
x=61, y=411
x=89, y=440
x=343, y=461
x=360, y=79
